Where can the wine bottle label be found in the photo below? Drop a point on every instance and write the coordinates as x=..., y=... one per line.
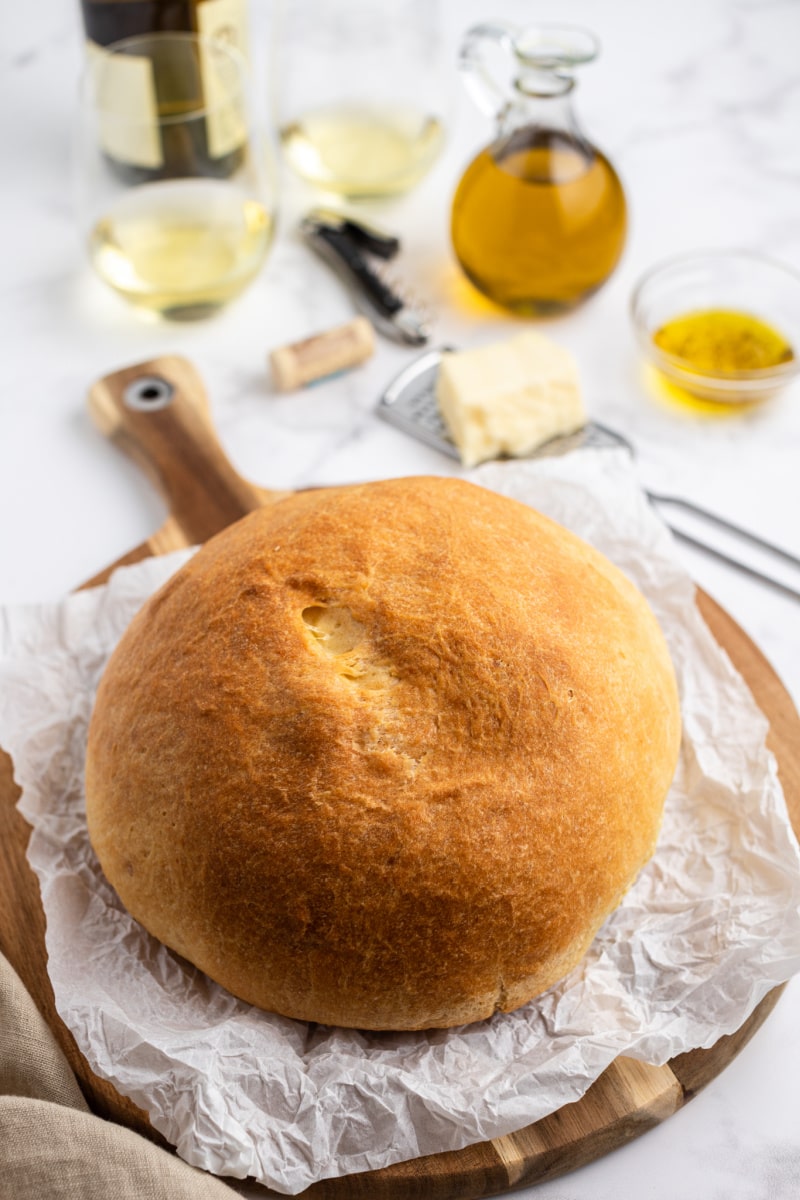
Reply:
x=223, y=20
x=127, y=108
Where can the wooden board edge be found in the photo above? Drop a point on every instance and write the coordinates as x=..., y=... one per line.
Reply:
x=769, y=693
x=491, y=1168
x=629, y=1098
x=560, y=1143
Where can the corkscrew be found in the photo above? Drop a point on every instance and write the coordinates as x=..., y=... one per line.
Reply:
x=351, y=248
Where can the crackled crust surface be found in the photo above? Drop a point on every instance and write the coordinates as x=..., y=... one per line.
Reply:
x=384, y=756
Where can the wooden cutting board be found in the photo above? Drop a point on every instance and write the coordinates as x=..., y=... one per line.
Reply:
x=158, y=413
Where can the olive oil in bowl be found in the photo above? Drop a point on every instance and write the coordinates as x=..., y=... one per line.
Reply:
x=723, y=340
x=720, y=326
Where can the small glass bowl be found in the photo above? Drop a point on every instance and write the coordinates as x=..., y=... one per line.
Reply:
x=719, y=279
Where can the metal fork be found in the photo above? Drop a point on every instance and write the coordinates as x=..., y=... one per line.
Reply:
x=596, y=434
x=410, y=404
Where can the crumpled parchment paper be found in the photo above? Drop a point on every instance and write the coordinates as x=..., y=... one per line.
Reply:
x=711, y=925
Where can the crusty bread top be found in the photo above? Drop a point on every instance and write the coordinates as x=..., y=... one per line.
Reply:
x=384, y=756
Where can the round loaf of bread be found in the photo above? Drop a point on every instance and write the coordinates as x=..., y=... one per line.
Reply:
x=384, y=756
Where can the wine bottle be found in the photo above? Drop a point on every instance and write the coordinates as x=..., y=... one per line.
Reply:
x=140, y=81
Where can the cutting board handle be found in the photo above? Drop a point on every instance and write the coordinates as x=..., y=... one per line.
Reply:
x=158, y=413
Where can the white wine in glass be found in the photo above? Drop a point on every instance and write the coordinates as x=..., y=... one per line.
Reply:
x=361, y=91
x=363, y=150
x=176, y=197
x=181, y=248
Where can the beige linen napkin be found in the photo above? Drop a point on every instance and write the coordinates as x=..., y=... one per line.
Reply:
x=51, y=1146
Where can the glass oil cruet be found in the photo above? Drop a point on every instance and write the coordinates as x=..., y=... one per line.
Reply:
x=539, y=216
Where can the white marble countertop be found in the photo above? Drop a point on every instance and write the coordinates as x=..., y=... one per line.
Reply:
x=698, y=105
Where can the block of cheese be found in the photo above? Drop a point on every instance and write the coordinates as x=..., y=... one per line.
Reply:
x=509, y=397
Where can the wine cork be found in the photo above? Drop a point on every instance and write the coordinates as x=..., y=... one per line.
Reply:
x=324, y=354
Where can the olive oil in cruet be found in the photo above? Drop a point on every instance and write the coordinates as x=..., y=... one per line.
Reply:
x=539, y=216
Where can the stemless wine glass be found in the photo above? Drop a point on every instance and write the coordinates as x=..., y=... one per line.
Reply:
x=174, y=190
x=361, y=93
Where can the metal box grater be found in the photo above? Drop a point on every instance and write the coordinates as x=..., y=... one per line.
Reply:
x=410, y=404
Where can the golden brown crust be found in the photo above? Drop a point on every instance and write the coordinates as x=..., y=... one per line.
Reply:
x=384, y=756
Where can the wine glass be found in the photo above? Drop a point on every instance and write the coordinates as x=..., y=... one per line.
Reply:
x=361, y=91
x=175, y=193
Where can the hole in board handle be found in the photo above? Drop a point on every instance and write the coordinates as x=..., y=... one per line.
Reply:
x=148, y=394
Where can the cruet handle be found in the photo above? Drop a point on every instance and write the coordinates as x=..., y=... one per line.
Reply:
x=490, y=97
